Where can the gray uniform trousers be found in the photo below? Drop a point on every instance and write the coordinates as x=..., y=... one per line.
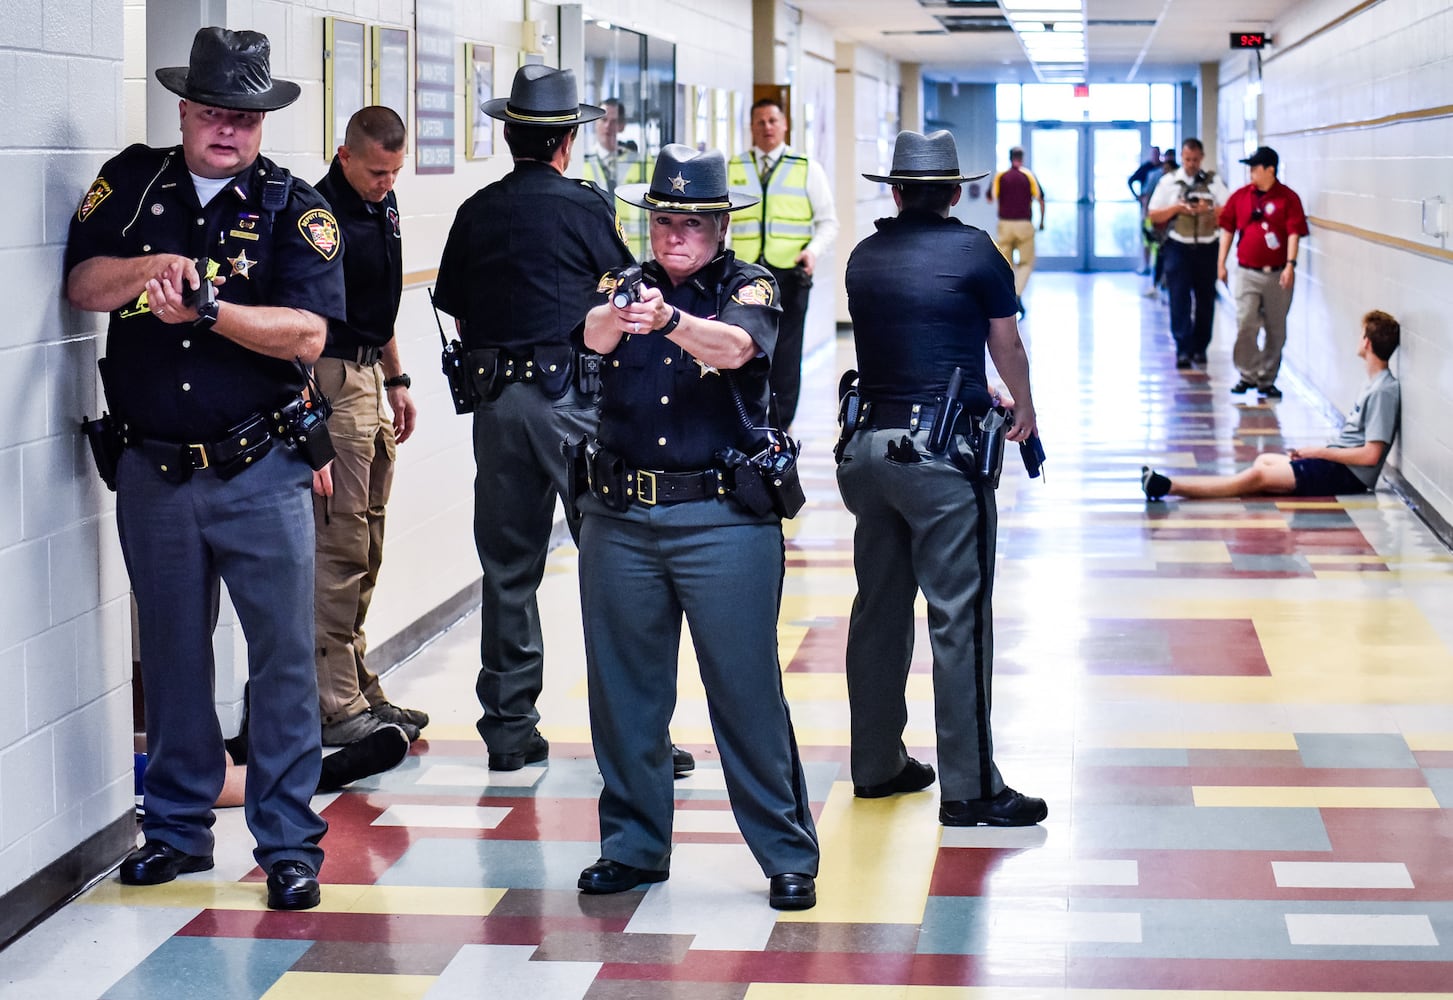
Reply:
x=922, y=527
x=254, y=532
x=519, y=470
x=639, y=574
x=1261, y=302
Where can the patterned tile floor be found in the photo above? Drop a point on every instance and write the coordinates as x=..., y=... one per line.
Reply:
x=1238, y=711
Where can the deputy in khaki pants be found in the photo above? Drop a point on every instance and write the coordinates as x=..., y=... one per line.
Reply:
x=359, y=366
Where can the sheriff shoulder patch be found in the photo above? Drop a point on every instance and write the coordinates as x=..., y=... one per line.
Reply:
x=607, y=283
x=97, y=193
x=320, y=229
x=757, y=292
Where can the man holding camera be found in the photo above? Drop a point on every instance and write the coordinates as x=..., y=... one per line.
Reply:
x=209, y=487
x=1187, y=201
x=518, y=274
x=673, y=531
x=1266, y=219
x=926, y=517
x=359, y=367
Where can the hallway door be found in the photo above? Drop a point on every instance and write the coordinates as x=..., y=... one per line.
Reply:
x=1092, y=223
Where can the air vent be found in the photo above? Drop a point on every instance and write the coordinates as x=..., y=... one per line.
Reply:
x=957, y=23
x=1108, y=23
x=986, y=5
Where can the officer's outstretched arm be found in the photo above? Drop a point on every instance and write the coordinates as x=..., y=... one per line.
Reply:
x=277, y=331
x=101, y=284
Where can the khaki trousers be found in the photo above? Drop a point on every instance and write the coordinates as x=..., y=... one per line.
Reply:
x=349, y=530
x=1261, y=303
x=1016, y=240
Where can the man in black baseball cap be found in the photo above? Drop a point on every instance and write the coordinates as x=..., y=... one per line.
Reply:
x=220, y=272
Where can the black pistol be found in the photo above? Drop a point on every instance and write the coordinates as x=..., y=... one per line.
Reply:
x=1032, y=452
x=949, y=409
x=629, y=281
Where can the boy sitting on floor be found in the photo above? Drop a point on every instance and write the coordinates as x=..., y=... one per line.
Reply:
x=1350, y=463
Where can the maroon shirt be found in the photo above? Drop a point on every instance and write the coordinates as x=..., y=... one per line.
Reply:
x=1264, y=221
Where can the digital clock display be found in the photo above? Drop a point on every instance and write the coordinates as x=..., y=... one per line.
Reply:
x=1249, y=40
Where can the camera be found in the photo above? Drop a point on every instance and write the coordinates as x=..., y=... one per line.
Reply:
x=629, y=281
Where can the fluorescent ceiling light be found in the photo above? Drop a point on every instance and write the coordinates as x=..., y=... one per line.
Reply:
x=1052, y=16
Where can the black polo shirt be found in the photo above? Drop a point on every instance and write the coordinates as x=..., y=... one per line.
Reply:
x=373, y=263
x=183, y=382
x=523, y=257
x=921, y=292
x=660, y=409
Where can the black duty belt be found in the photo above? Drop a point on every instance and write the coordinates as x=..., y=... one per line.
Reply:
x=358, y=355
x=176, y=461
x=650, y=489
x=892, y=413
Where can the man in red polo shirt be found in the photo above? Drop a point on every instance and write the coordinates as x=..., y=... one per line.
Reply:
x=1270, y=222
x=1017, y=189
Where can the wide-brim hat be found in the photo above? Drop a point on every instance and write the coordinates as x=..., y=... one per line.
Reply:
x=230, y=69
x=686, y=181
x=542, y=97
x=925, y=159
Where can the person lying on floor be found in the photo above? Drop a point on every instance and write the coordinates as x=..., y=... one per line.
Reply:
x=1351, y=461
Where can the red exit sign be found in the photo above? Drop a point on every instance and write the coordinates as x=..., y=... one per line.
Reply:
x=1249, y=40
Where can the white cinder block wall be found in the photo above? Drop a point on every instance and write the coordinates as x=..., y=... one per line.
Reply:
x=1358, y=111
x=65, y=771
x=75, y=79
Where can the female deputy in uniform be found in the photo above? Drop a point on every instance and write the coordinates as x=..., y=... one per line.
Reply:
x=684, y=383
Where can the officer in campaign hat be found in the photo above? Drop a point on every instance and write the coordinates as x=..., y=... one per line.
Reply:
x=672, y=531
x=220, y=271
x=927, y=294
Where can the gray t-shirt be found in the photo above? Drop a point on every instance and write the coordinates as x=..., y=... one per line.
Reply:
x=1374, y=417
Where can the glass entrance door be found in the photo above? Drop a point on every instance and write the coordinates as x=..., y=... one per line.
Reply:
x=1092, y=223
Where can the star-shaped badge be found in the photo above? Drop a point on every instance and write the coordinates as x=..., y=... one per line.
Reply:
x=678, y=183
x=706, y=369
x=241, y=265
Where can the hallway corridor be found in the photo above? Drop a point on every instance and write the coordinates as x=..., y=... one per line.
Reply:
x=1239, y=712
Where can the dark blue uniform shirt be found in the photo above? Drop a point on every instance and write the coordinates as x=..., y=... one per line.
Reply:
x=660, y=409
x=523, y=257
x=373, y=263
x=187, y=383
x=921, y=292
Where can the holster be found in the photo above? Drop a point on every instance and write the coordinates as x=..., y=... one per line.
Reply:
x=107, y=438
x=849, y=408
x=577, y=472
x=606, y=476
x=988, y=442
x=456, y=373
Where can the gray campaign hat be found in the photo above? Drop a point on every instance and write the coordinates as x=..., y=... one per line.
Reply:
x=542, y=97
x=925, y=159
x=230, y=69
x=686, y=181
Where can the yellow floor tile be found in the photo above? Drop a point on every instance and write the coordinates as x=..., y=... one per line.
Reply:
x=1313, y=798
x=348, y=986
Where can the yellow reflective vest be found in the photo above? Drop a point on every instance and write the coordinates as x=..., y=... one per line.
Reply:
x=784, y=205
x=632, y=220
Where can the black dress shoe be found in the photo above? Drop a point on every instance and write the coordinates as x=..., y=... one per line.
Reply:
x=536, y=749
x=606, y=876
x=1183, y=361
x=292, y=885
x=1242, y=386
x=792, y=892
x=1199, y=357
x=156, y=862
x=1008, y=808
x=682, y=763
x=914, y=777
x=1269, y=392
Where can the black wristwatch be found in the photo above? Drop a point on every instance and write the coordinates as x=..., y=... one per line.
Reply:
x=398, y=380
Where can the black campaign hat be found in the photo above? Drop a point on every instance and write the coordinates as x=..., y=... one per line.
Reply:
x=925, y=159
x=1264, y=156
x=543, y=97
x=229, y=69
x=686, y=182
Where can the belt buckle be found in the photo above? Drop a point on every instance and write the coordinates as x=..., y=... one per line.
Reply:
x=198, y=451
x=644, y=477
